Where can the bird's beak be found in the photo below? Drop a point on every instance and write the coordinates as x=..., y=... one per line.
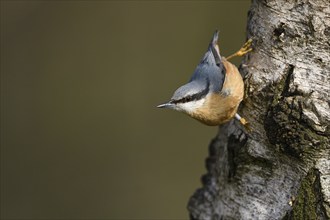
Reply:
x=166, y=105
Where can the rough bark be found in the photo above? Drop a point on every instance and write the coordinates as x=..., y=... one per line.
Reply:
x=281, y=169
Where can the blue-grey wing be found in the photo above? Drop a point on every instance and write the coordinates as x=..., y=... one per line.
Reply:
x=212, y=74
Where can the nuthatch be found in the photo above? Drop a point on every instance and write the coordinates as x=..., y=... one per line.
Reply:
x=215, y=89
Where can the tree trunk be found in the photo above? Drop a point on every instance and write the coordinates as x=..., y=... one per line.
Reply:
x=281, y=168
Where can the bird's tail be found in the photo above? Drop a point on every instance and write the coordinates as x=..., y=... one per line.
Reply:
x=214, y=48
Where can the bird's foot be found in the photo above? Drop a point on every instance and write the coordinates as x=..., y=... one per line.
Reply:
x=244, y=50
x=244, y=122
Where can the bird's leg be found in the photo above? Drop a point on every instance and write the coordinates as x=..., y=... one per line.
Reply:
x=243, y=122
x=244, y=50
x=240, y=119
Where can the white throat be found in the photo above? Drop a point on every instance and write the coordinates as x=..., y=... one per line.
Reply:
x=191, y=106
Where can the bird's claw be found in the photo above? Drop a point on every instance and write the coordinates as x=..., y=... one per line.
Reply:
x=244, y=50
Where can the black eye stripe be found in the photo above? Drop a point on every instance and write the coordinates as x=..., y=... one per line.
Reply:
x=196, y=96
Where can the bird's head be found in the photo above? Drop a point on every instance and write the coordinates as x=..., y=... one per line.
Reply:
x=189, y=97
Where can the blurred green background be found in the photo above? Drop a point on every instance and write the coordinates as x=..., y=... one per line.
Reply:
x=81, y=137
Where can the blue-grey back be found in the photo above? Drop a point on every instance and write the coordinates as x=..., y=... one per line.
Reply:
x=211, y=68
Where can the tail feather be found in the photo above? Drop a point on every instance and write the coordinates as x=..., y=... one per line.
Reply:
x=215, y=48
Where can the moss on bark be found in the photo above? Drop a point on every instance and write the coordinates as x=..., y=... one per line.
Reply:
x=308, y=203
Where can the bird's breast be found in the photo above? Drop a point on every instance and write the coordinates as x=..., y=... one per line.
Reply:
x=221, y=107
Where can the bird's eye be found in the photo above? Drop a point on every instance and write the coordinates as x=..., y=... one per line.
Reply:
x=188, y=98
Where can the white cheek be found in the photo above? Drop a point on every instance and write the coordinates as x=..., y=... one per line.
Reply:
x=190, y=106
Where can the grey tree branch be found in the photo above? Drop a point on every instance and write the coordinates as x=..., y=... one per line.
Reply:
x=280, y=170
